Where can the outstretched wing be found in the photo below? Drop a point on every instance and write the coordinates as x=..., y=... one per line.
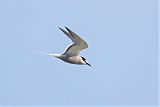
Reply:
x=78, y=43
x=68, y=35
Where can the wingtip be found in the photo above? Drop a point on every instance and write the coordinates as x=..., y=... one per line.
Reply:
x=59, y=28
x=66, y=27
x=62, y=29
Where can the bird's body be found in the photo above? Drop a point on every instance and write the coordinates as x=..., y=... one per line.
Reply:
x=70, y=59
x=71, y=54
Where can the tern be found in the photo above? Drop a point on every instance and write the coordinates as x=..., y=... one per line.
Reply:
x=71, y=54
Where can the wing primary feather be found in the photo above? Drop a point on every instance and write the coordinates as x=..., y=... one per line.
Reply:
x=71, y=32
x=64, y=31
x=74, y=35
x=68, y=34
x=77, y=38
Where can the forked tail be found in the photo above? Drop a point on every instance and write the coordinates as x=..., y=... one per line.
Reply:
x=42, y=52
x=55, y=55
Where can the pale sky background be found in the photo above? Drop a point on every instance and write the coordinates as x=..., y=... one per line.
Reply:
x=123, y=51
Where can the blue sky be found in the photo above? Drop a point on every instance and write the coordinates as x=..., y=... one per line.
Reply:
x=123, y=51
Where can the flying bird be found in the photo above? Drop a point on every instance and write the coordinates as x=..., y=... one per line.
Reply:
x=71, y=54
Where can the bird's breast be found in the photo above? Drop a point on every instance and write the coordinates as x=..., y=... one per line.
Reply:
x=73, y=60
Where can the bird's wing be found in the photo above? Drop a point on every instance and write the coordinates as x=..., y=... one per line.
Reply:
x=78, y=43
x=68, y=35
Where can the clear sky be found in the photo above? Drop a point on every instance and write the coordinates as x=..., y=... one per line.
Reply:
x=123, y=50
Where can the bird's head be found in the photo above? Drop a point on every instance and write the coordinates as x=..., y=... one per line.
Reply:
x=85, y=61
